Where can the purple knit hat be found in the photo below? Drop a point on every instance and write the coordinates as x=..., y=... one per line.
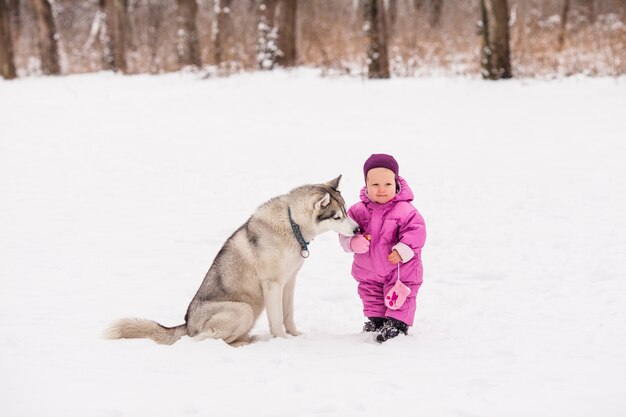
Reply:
x=381, y=160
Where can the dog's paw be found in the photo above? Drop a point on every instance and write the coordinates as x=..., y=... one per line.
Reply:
x=294, y=332
x=240, y=343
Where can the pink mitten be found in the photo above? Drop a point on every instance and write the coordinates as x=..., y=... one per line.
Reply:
x=397, y=295
x=359, y=244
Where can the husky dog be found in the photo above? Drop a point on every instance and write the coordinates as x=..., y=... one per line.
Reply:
x=255, y=269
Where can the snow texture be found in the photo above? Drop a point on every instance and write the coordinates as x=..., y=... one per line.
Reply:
x=118, y=191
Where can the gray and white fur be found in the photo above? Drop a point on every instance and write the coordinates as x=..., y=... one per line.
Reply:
x=255, y=269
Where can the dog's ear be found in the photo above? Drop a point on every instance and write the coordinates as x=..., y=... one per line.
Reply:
x=323, y=202
x=334, y=184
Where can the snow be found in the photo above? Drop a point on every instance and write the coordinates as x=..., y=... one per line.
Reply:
x=117, y=191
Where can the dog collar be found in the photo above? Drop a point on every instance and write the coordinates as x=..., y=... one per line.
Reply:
x=304, y=252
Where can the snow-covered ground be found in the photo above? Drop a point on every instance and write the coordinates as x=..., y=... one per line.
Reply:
x=116, y=192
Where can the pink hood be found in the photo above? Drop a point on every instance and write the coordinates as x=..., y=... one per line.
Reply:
x=405, y=194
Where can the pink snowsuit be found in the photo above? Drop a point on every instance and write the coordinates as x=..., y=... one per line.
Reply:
x=393, y=225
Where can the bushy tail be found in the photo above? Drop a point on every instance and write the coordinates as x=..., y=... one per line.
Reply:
x=140, y=328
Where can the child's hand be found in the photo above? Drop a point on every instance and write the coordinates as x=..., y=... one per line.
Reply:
x=359, y=244
x=394, y=257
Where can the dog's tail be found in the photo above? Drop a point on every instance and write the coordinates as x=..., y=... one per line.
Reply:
x=141, y=328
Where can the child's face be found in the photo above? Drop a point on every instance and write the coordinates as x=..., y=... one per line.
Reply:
x=381, y=185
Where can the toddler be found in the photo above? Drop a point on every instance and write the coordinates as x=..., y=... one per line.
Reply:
x=387, y=261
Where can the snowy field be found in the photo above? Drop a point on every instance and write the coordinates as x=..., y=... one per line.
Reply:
x=118, y=191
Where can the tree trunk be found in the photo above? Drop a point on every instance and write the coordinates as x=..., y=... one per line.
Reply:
x=277, y=33
x=495, y=52
x=564, y=13
x=7, y=65
x=419, y=4
x=392, y=15
x=285, y=18
x=434, y=7
x=115, y=34
x=100, y=28
x=590, y=10
x=376, y=31
x=222, y=30
x=155, y=23
x=46, y=30
x=188, y=41
x=15, y=20
x=435, y=12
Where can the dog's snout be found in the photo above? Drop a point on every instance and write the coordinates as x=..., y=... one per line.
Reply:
x=356, y=230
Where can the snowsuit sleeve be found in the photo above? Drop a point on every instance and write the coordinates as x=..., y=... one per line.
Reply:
x=353, y=213
x=344, y=241
x=411, y=234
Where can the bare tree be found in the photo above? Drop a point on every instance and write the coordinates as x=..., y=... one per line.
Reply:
x=155, y=23
x=419, y=4
x=115, y=33
x=433, y=6
x=376, y=31
x=188, y=48
x=563, y=28
x=15, y=20
x=285, y=18
x=495, y=52
x=435, y=12
x=276, y=33
x=392, y=16
x=590, y=10
x=222, y=29
x=7, y=65
x=47, y=37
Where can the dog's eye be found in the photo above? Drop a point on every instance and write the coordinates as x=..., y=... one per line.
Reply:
x=337, y=217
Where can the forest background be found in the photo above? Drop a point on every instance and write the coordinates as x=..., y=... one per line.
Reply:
x=415, y=37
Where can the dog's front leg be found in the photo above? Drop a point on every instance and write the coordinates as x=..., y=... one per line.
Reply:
x=290, y=326
x=273, y=294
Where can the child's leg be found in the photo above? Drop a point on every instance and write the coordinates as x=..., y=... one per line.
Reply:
x=371, y=294
x=406, y=313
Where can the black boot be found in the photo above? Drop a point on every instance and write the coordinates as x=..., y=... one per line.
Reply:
x=374, y=324
x=391, y=328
